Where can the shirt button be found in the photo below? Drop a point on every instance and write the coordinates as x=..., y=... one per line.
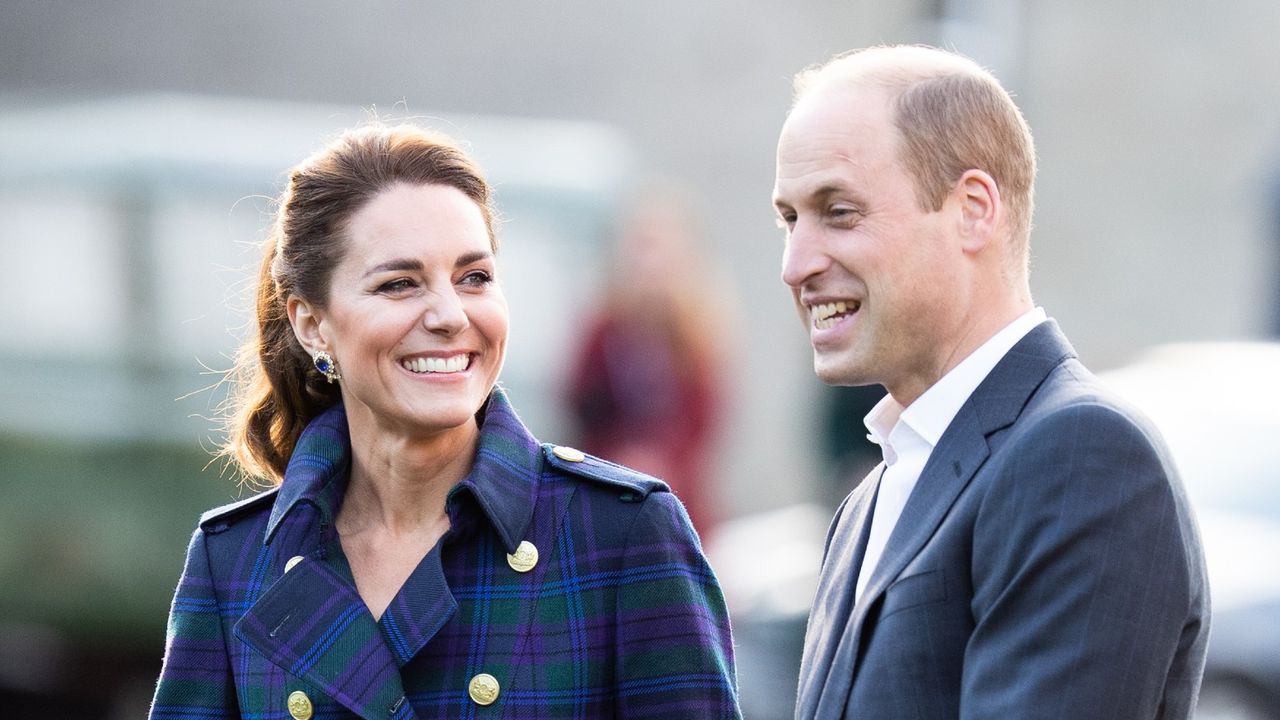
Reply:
x=568, y=454
x=483, y=689
x=525, y=557
x=292, y=561
x=299, y=705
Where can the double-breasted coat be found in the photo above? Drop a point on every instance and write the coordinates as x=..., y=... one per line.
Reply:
x=608, y=609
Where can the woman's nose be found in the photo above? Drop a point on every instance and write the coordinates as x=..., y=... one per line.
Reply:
x=444, y=313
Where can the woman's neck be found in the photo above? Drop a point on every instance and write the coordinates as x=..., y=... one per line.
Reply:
x=399, y=482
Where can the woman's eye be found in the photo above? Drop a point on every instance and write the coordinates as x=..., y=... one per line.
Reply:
x=477, y=277
x=396, y=286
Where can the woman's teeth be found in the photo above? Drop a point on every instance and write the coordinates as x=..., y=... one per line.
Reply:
x=828, y=314
x=454, y=364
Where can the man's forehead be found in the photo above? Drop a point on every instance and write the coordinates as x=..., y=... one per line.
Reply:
x=799, y=184
x=840, y=117
x=822, y=148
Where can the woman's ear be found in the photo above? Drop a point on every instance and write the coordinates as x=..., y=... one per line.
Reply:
x=306, y=322
x=980, y=209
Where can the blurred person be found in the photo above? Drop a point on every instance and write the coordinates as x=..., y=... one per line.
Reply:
x=422, y=555
x=1026, y=549
x=643, y=389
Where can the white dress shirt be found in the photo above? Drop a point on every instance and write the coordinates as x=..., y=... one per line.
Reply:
x=907, y=436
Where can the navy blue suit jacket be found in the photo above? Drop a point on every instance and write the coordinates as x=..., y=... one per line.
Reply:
x=1045, y=566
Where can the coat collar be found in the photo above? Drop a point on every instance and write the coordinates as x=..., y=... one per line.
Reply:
x=312, y=622
x=503, y=478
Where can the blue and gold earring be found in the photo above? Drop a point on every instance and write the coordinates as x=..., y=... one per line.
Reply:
x=327, y=366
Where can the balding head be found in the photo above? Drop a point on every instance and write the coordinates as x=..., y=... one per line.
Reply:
x=951, y=116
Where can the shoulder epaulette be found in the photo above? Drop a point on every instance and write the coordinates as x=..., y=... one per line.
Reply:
x=635, y=485
x=220, y=518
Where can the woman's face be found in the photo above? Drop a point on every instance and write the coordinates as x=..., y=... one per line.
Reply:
x=415, y=320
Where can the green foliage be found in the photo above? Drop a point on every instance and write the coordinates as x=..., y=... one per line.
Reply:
x=92, y=536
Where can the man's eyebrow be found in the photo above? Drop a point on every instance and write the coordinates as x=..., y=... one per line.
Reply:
x=819, y=193
x=828, y=189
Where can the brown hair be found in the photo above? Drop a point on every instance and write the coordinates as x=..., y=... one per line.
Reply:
x=276, y=389
x=952, y=116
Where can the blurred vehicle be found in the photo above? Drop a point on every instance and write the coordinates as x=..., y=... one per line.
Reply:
x=1218, y=406
x=767, y=564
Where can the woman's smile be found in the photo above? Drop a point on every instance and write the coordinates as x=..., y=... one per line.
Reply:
x=437, y=365
x=415, y=299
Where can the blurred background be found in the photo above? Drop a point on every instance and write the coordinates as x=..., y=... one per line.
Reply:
x=632, y=149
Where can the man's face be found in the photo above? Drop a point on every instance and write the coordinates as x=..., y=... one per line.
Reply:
x=876, y=279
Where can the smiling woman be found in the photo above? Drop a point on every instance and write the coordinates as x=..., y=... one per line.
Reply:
x=415, y=318
x=422, y=554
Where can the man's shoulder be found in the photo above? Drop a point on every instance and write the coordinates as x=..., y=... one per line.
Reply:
x=1072, y=388
x=1073, y=406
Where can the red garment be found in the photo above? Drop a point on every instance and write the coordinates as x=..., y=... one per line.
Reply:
x=644, y=399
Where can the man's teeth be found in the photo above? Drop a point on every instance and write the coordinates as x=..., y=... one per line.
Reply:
x=454, y=364
x=828, y=314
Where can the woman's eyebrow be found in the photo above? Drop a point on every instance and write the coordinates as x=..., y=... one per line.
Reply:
x=472, y=257
x=394, y=265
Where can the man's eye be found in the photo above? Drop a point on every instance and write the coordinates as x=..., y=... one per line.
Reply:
x=842, y=214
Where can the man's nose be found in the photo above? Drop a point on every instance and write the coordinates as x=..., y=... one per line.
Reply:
x=802, y=256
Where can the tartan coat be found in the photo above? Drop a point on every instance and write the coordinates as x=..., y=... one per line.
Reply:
x=620, y=616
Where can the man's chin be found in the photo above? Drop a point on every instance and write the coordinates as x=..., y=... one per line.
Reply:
x=834, y=371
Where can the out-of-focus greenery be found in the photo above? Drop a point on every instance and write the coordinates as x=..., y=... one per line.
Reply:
x=92, y=536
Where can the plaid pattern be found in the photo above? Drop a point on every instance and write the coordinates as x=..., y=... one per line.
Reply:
x=621, y=616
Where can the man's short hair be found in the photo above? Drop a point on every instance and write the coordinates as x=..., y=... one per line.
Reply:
x=952, y=116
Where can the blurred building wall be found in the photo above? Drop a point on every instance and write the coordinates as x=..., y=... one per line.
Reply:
x=1156, y=127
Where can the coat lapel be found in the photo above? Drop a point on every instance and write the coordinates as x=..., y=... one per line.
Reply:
x=313, y=624
x=423, y=605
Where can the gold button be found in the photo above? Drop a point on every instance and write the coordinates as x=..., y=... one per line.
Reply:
x=525, y=557
x=289, y=566
x=299, y=705
x=483, y=689
x=568, y=454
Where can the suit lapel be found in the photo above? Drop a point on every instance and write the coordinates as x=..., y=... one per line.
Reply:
x=313, y=624
x=960, y=453
x=821, y=677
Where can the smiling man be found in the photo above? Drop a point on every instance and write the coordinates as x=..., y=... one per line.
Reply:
x=1025, y=550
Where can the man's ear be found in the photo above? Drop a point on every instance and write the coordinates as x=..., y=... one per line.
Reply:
x=980, y=209
x=306, y=322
